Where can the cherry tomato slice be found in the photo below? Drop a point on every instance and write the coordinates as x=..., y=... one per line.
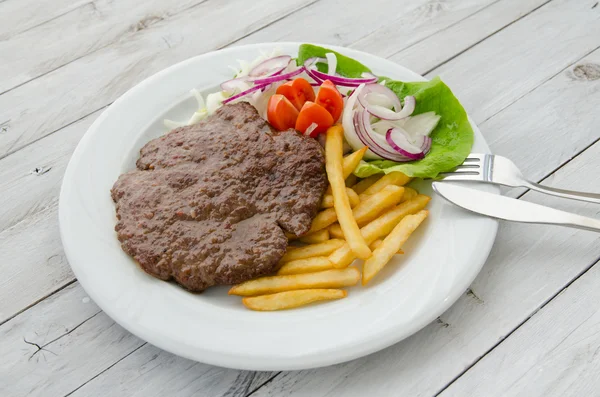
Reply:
x=330, y=98
x=313, y=113
x=281, y=113
x=297, y=91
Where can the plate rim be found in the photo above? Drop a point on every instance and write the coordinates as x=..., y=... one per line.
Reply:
x=226, y=359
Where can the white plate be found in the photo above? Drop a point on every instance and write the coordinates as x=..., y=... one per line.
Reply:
x=441, y=260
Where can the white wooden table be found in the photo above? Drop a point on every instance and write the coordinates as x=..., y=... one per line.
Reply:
x=527, y=71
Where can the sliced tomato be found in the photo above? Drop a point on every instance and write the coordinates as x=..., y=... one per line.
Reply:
x=281, y=113
x=297, y=91
x=313, y=113
x=330, y=98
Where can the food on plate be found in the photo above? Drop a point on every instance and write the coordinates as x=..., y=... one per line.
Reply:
x=364, y=184
x=308, y=251
x=276, y=208
x=291, y=299
x=409, y=193
x=341, y=204
x=393, y=178
x=352, y=197
x=375, y=204
x=391, y=244
x=308, y=265
x=323, y=219
x=208, y=203
x=382, y=226
x=375, y=244
x=335, y=278
x=317, y=237
x=335, y=231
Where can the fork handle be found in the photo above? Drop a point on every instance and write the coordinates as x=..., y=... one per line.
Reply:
x=569, y=194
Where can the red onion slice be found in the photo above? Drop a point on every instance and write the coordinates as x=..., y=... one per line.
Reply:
x=398, y=140
x=244, y=93
x=380, y=90
x=235, y=85
x=270, y=66
x=278, y=77
x=388, y=114
x=335, y=79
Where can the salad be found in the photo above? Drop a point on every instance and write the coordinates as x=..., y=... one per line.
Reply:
x=417, y=128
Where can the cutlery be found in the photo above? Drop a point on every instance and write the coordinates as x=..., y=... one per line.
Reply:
x=499, y=170
x=500, y=207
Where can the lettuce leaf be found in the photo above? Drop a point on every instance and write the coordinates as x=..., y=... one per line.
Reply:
x=346, y=67
x=452, y=139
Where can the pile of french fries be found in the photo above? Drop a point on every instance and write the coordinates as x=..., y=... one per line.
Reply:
x=367, y=219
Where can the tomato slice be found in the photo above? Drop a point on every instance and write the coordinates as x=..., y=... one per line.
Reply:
x=281, y=113
x=297, y=91
x=330, y=98
x=313, y=113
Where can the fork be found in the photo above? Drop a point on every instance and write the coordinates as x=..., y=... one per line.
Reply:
x=499, y=170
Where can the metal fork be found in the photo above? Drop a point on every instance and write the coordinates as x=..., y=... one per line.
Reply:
x=499, y=170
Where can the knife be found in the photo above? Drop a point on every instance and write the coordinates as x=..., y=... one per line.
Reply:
x=509, y=209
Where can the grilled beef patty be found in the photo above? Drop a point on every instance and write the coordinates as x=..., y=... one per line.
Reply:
x=208, y=203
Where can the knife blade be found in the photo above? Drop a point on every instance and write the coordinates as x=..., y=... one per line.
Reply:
x=509, y=209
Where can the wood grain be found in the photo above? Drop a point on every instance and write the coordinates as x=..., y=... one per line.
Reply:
x=18, y=16
x=555, y=353
x=82, y=31
x=52, y=354
x=69, y=93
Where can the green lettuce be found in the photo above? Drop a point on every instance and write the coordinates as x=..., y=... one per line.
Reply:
x=452, y=139
x=346, y=67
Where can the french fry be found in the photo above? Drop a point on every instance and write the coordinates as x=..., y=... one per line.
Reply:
x=352, y=160
x=308, y=251
x=291, y=299
x=366, y=183
x=383, y=225
x=317, y=237
x=352, y=196
x=351, y=180
x=333, y=165
x=391, y=244
x=409, y=193
x=375, y=244
x=335, y=231
x=393, y=178
x=350, y=163
x=308, y=265
x=375, y=204
x=323, y=219
x=335, y=278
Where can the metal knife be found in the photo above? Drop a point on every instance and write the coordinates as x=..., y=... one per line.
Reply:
x=509, y=209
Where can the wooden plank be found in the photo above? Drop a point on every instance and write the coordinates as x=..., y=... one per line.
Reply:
x=58, y=98
x=527, y=266
x=555, y=353
x=315, y=24
x=80, y=32
x=514, y=55
x=33, y=260
x=48, y=353
x=18, y=16
x=456, y=38
x=152, y=372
